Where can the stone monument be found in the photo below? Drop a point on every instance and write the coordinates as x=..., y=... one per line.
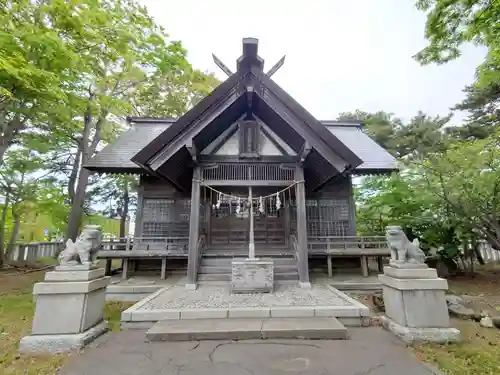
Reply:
x=252, y=275
x=70, y=301
x=414, y=296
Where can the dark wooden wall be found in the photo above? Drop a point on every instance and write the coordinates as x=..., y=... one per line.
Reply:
x=164, y=211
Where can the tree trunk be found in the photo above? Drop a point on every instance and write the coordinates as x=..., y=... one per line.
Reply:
x=5, y=209
x=13, y=236
x=124, y=214
x=476, y=251
x=74, y=175
x=3, y=149
x=75, y=215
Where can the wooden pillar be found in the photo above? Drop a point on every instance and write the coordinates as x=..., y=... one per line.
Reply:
x=163, y=268
x=108, y=267
x=380, y=262
x=329, y=264
x=364, y=266
x=208, y=223
x=300, y=196
x=125, y=268
x=194, y=229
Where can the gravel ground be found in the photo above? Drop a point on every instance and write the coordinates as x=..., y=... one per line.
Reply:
x=220, y=297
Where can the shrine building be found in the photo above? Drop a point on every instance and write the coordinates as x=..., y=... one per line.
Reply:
x=247, y=169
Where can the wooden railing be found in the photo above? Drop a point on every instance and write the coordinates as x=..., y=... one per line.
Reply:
x=348, y=245
x=172, y=244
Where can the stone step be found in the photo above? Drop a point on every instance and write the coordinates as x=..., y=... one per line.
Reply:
x=227, y=276
x=246, y=329
x=227, y=269
x=226, y=261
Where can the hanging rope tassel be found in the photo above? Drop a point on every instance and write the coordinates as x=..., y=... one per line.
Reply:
x=261, y=205
x=278, y=201
x=238, y=207
x=219, y=196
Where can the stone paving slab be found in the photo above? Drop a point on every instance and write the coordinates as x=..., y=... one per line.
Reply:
x=244, y=329
x=369, y=351
x=215, y=302
x=177, y=297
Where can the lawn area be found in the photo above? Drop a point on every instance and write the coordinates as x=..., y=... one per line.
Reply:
x=479, y=353
x=16, y=313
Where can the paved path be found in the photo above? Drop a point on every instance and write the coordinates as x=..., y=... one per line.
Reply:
x=369, y=351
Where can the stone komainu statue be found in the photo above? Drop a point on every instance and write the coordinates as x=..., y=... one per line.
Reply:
x=84, y=250
x=402, y=250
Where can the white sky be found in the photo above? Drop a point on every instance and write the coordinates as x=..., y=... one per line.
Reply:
x=340, y=55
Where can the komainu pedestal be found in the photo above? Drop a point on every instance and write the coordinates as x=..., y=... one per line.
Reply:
x=252, y=275
x=69, y=310
x=414, y=296
x=415, y=304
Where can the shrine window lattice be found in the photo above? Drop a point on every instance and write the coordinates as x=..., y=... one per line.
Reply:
x=165, y=217
x=325, y=217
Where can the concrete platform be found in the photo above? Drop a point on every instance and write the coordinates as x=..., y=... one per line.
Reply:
x=246, y=329
x=217, y=302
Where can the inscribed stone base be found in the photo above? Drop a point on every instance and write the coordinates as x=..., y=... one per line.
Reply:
x=412, y=335
x=252, y=276
x=53, y=344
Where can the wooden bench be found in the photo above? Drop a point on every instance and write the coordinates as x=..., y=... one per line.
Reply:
x=351, y=246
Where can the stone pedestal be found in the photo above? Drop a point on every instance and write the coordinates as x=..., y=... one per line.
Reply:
x=69, y=310
x=252, y=275
x=415, y=304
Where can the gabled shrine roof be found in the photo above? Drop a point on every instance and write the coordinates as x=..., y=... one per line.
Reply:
x=116, y=157
x=375, y=158
x=168, y=147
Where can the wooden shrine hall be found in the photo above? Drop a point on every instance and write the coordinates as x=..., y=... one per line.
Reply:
x=246, y=169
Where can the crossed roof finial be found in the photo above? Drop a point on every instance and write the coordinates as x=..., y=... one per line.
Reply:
x=249, y=57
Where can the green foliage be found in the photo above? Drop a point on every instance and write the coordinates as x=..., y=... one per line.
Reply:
x=451, y=23
x=421, y=135
x=466, y=178
x=439, y=198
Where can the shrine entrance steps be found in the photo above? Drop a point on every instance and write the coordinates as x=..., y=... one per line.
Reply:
x=216, y=262
x=248, y=329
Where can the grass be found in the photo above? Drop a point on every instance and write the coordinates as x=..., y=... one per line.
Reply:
x=16, y=313
x=479, y=353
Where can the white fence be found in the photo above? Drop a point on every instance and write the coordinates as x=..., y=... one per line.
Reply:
x=489, y=254
x=37, y=250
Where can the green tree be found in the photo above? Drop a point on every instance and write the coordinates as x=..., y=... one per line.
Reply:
x=37, y=63
x=451, y=23
x=381, y=126
x=119, y=194
x=19, y=179
x=124, y=51
x=483, y=105
x=421, y=135
x=466, y=179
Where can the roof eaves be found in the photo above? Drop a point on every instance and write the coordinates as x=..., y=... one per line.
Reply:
x=322, y=132
x=357, y=124
x=183, y=122
x=150, y=120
